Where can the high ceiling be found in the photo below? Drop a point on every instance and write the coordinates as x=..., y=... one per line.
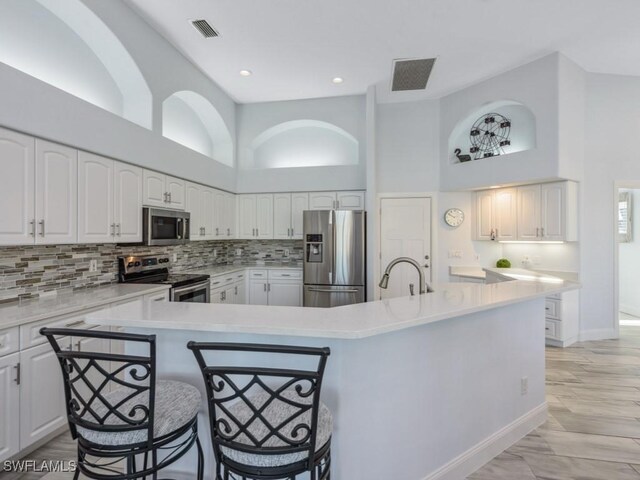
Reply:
x=294, y=48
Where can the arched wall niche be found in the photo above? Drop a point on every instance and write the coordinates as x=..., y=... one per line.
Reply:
x=522, y=132
x=64, y=44
x=191, y=120
x=302, y=143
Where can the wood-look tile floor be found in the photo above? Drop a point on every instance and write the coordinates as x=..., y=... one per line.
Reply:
x=593, y=431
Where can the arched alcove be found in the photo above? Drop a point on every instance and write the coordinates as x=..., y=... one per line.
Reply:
x=66, y=45
x=522, y=130
x=302, y=143
x=191, y=120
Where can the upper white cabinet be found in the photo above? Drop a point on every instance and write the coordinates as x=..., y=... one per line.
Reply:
x=109, y=200
x=533, y=213
x=56, y=193
x=230, y=214
x=199, y=202
x=224, y=218
x=255, y=216
x=336, y=200
x=162, y=190
x=288, y=211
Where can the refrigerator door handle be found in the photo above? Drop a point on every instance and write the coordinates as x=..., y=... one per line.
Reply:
x=326, y=290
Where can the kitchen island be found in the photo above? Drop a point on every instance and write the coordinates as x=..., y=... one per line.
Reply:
x=423, y=387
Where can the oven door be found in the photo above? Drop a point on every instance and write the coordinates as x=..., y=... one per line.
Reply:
x=165, y=227
x=197, y=293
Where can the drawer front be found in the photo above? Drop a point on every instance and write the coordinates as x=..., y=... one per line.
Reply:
x=556, y=295
x=289, y=274
x=30, y=333
x=9, y=341
x=552, y=329
x=222, y=281
x=239, y=276
x=258, y=274
x=157, y=297
x=552, y=308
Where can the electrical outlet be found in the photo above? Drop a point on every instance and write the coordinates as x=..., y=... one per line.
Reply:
x=175, y=257
x=524, y=385
x=93, y=265
x=286, y=252
x=238, y=252
x=455, y=253
x=215, y=253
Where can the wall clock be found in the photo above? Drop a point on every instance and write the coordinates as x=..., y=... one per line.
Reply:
x=489, y=135
x=454, y=217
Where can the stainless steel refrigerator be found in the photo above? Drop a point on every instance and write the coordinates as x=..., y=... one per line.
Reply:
x=334, y=257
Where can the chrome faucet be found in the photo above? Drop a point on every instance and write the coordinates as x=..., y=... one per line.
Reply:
x=424, y=286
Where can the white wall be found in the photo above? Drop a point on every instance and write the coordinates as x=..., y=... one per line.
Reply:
x=347, y=113
x=561, y=257
x=37, y=108
x=629, y=260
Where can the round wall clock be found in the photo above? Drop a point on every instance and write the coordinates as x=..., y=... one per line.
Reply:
x=454, y=217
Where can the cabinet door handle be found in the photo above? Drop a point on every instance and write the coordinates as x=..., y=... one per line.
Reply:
x=217, y=232
x=285, y=275
x=33, y=227
x=78, y=346
x=236, y=290
x=119, y=227
x=41, y=223
x=268, y=287
x=228, y=232
x=257, y=232
x=166, y=197
x=113, y=229
x=542, y=232
x=159, y=299
x=74, y=324
x=537, y=232
x=18, y=373
x=264, y=286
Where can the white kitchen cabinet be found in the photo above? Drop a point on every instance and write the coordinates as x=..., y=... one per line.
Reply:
x=56, y=188
x=288, y=211
x=224, y=215
x=127, y=198
x=559, y=211
x=275, y=287
x=484, y=216
x=42, y=405
x=17, y=184
x=240, y=293
x=529, y=212
x=162, y=190
x=255, y=216
x=207, y=212
x=9, y=406
x=230, y=214
x=285, y=293
x=95, y=199
x=352, y=200
x=193, y=205
x=258, y=294
x=506, y=214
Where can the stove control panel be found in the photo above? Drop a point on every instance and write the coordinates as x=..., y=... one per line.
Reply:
x=143, y=263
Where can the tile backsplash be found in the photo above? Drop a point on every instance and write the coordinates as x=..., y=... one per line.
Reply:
x=28, y=271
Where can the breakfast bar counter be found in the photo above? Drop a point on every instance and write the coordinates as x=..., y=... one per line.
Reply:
x=423, y=387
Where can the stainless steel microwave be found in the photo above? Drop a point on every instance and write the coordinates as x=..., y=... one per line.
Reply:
x=164, y=227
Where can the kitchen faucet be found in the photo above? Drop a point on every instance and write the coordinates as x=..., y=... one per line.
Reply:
x=424, y=286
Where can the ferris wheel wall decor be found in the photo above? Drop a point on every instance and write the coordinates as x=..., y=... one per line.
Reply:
x=489, y=135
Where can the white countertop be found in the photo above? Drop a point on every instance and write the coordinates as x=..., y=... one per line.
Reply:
x=523, y=274
x=467, y=272
x=347, y=322
x=20, y=313
x=214, y=270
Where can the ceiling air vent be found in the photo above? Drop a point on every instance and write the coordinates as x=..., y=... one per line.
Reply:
x=205, y=29
x=411, y=74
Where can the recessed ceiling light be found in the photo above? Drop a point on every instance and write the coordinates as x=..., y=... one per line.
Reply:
x=338, y=80
x=245, y=73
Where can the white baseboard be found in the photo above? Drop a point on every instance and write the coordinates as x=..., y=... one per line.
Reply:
x=630, y=310
x=598, y=334
x=474, y=458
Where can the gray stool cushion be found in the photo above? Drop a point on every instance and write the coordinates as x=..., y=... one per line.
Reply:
x=176, y=403
x=276, y=413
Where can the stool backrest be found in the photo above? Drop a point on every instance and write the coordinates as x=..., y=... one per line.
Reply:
x=259, y=390
x=89, y=376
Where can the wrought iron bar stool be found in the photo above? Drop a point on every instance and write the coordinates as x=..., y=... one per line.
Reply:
x=266, y=423
x=127, y=424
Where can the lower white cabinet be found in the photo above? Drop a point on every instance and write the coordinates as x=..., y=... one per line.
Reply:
x=9, y=405
x=258, y=294
x=562, y=312
x=285, y=293
x=275, y=287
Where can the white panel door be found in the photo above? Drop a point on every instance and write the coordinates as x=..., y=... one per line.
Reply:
x=9, y=406
x=220, y=214
x=506, y=214
x=42, y=405
x=95, y=199
x=553, y=211
x=247, y=216
x=286, y=294
x=322, y=200
x=282, y=216
x=264, y=215
x=405, y=231
x=230, y=214
x=127, y=198
x=207, y=212
x=258, y=294
x=529, y=212
x=350, y=200
x=193, y=205
x=176, y=190
x=56, y=193
x=154, y=190
x=17, y=187
x=299, y=203
x=484, y=216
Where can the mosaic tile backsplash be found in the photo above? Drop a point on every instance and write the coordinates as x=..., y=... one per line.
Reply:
x=28, y=271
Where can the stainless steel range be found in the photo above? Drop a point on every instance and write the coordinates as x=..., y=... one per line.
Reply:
x=185, y=287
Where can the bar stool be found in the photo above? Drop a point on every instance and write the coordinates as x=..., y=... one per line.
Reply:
x=266, y=423
x=120, y=415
